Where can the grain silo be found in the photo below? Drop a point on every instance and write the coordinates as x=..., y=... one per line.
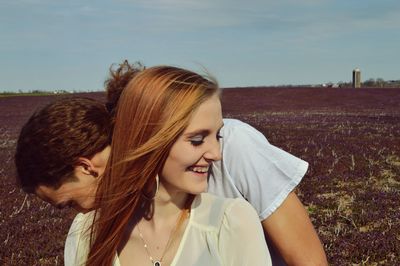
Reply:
x=356, y=78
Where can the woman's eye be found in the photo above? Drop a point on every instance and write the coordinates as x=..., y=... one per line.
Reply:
x=219, y=136
x=197, y=141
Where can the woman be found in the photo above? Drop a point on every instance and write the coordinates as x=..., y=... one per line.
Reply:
x=150, y=209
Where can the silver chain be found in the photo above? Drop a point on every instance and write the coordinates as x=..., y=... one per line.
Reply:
x=171, y=237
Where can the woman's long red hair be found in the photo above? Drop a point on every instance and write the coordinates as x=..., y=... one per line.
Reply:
x=153, y=110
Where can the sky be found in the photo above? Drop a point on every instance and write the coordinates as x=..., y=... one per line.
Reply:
x=70, y=45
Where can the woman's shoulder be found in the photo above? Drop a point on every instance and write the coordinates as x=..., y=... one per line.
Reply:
x=210, y=211
x=77, y=243
x=82, y=221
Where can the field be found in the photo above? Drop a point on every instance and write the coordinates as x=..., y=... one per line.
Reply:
x=351, y=138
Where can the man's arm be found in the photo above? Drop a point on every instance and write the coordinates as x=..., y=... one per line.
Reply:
x=293, y=235
x=266, y=176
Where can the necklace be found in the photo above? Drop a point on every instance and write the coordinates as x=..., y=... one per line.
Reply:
x=171, y=237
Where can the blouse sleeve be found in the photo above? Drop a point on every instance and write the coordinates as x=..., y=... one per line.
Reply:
x=241, y=239
x=76, y=244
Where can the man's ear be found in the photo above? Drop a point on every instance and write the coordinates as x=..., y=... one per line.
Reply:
x=85, y=166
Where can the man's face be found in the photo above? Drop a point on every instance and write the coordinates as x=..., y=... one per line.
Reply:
x=80, y=192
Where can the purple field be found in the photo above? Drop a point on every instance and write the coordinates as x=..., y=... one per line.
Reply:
x=350, y=137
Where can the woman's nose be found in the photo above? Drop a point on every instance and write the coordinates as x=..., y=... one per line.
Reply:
x=214, y=151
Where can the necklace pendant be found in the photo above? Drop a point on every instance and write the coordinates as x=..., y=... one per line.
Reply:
x=157, y=263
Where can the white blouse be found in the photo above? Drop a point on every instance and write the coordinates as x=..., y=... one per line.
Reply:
x=219, y=232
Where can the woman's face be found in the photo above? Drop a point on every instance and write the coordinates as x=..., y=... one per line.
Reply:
x=187, y=166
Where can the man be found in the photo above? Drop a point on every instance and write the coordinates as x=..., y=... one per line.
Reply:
x=63, y=149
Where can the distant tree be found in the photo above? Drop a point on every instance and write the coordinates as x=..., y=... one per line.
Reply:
x=369, y=83
x=380, y=82
x=343, y=84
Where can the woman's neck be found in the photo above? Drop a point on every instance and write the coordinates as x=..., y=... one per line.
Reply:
x=159, y=235
x=168, y=203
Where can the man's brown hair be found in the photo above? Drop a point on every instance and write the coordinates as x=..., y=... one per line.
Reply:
x=54, y=137
x=118, y=79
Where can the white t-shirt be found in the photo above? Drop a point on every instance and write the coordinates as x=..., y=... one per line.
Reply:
x=253, y=169
x=220, y=231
